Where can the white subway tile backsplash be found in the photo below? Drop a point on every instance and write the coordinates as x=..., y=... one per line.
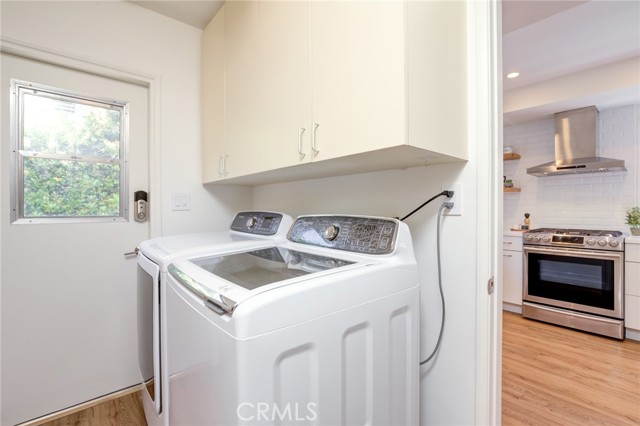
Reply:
x=581, y=201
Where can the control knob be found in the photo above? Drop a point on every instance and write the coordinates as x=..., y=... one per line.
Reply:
x=251, y=222
x=591, y=241
x=529, y=237
x=602, y=243
x=537, y=238
x=331, y=232
x=546, y=239
x=614, y=243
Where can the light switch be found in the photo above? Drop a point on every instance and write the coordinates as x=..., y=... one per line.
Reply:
x=181, y=202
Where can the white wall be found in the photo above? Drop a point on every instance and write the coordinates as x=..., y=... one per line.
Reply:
x=447, y=382
x=596, y=201
x=125, y=36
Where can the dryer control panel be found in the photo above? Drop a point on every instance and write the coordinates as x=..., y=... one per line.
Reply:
x=260, y=223
x=360, y=234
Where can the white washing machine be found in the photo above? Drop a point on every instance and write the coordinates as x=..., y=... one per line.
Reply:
x=322, y=328
x=248, y=229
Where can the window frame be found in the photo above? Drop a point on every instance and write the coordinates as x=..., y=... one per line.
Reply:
x=18, y=88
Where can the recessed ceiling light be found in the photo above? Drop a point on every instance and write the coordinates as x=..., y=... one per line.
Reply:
x=513, y=74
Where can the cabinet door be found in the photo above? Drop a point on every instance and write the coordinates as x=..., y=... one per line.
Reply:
x=242, y=109
x=213, y=52
x=285, y=92
x=358, y=76
x=512, y=277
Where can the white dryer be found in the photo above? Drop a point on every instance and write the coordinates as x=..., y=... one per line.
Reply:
x=322, y=328
x=248, y=229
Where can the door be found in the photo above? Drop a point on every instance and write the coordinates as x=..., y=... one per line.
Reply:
x=68, y=292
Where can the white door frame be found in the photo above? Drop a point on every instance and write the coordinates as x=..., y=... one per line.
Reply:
x=152, y=83
x=485, y=129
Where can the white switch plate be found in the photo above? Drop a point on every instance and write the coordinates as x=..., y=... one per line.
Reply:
x=181, y=202
x=456, y=199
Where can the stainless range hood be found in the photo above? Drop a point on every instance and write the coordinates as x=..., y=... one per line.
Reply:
x=575, y=138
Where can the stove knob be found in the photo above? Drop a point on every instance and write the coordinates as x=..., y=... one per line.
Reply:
x=529, y=237
x=537, y=238
x=331, y=232
x=602, y=243
x=591, y=242
x=546, y=239
x=614, y=243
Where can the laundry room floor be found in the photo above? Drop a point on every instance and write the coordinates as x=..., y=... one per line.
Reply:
x=556, y=376
x=124, y=411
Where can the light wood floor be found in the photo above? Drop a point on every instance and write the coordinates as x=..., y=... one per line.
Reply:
x=550, y=376
x=124, y=411
x=557, y=376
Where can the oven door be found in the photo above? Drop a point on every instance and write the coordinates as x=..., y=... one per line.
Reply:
x=580, y=280
x=149, y=329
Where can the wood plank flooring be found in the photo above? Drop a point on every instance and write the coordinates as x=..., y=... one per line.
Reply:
x=124, y=411
x=550, y=376
x=557, y=376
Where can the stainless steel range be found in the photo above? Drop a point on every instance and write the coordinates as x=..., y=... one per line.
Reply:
x=575, y=278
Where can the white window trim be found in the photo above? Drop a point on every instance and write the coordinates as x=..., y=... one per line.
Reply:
x=17, y=154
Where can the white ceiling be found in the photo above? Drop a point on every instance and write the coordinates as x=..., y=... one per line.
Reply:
x=197, y=13
x=542, y=39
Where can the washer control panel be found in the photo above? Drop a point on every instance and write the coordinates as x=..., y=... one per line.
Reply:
x=260, y=223
x=360, y=234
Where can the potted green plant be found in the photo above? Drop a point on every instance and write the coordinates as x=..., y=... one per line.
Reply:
x=633, y=220
x=508, y=183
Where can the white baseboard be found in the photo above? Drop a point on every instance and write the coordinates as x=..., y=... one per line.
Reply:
x=83, y=406
x=510, y=307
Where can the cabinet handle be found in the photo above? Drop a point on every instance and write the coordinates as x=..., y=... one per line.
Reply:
x=507, y=255
x=220, y=171
x=224, y=165
x=300, y=132
x=313, y=140
x=507, y=242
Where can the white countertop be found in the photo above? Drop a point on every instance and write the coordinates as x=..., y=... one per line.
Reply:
x=510, y=233
x=632, y=240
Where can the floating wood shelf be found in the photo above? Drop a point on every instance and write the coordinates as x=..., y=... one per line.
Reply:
x=511, y=156
x=511, y=189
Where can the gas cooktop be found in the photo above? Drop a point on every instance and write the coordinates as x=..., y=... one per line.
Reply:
x=584, y=232
x=576, y=238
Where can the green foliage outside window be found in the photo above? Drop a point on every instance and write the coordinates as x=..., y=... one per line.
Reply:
x=71, y=165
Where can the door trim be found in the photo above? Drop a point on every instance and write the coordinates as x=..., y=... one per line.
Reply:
x=153, y=83
x=485, y=128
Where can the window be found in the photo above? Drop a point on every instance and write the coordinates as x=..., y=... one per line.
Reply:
x=69, y=156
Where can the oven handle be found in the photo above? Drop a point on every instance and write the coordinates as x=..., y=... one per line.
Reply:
x=574, y=252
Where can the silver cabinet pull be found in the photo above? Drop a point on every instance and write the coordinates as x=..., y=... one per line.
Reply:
x=220, y=170
x=300, y=132
x=224, y=165
x=507, y=255
x=313, y=140
x=507, y=242
x=133, y=253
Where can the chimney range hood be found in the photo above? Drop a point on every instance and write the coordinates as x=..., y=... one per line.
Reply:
x=575, y=140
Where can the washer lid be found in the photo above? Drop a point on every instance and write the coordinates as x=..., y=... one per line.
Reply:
x=225, y=280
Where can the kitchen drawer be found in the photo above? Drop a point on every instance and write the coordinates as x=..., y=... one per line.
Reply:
x=512, y=243
x=632, y=252
x=632, y=312
x=632, y=278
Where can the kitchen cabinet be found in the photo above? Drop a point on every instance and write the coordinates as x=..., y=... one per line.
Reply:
x=512, y=273
x=316, y=89
x=632, y=286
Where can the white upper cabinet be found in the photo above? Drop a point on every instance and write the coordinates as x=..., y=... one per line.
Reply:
x=212, y=101
x=321, y=88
